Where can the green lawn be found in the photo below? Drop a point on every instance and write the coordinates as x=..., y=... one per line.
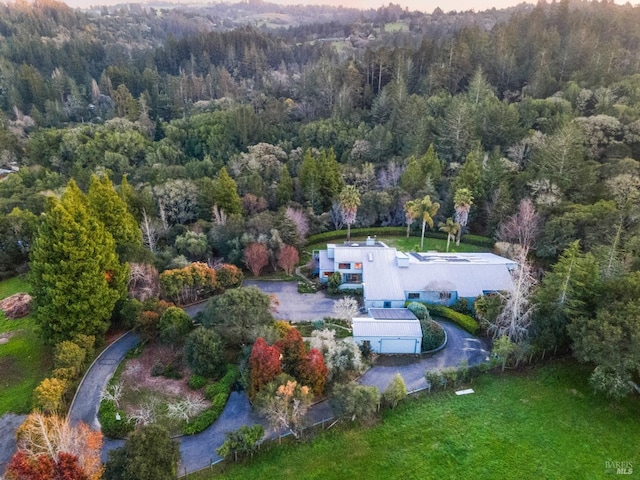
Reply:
x=402, y=243
x=542, y=424
x=24, y=360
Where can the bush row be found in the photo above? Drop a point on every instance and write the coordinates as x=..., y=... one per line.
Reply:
x=217, y=393
x=355, y=232
x=463, y=321
x=393, y=231
x=454, y=377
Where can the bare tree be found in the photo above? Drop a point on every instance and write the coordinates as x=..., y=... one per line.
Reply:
x=186, y=408
x=517, y=311
x=113, y=393
x=345, y=308
x=143, y=281
x=299, y=219
x=144, y=414
x=219, y=216
x=149, y=231
x=522, y=228
x=335, y=216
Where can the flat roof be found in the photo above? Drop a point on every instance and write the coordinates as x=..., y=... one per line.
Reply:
x=370, y=327
x=391, y=314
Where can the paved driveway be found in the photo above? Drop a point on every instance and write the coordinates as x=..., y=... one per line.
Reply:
x=87, y=400
x=461, y=345
x=295, y=306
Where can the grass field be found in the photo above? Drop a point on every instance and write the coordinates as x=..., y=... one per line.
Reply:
x=544, y=423
x=404, y=244
x=24, y=359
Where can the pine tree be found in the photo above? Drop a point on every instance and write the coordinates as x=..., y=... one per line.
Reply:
x=75, y=273
x=108, y=207
x=226, y=193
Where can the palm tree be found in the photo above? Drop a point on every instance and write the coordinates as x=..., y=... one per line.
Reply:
x=349, y=202
x=462, y=201
x=425, y=209
x=409, y=213
x=450, y=228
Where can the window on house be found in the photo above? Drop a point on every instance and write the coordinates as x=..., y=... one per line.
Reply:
x=386, y=305
x=353, y=278
x=445, y=295
x=328, y=274
x=357, y=266
x=344, y=266
x=413, y=296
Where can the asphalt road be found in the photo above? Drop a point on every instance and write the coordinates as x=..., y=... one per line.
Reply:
x=9, y=423
x=87, y=400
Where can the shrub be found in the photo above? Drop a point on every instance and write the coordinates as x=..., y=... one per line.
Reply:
x=204, y=353
x=432, y=335
x=419, y=310
x=217, y=394
x=463, y=321
x=435, y=380
x=70, y=356
x=48, y=395
x=356, y=232
x=196, y=382
x=335, y=280
x=228, y=276
x=111, y=427
x=395, y=391
x=243, y=441
x=461, y=306
x=355, y=401
x=306, y=287
x=175, y=324
x=130, y=312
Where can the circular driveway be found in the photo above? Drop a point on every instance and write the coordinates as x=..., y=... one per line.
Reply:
x=295, y=306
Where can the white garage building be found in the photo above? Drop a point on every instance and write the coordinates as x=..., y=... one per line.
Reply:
x=389, y=330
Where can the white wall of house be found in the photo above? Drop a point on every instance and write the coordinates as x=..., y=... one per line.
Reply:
x=392, y=345
x=384, y=303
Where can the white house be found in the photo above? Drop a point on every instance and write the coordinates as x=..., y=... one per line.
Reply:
x=389, y=330
x=389, y=277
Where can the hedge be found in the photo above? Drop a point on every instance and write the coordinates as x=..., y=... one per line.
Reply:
x=356, y=232
x=218, y=393
x=463, y=321
x=393, y=231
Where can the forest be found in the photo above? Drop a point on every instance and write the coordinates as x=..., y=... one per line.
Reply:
x=219, y=135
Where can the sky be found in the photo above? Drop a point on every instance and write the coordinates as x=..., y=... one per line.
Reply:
x=423, y=5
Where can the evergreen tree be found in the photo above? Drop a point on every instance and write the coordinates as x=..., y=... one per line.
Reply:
x=284, y=191
x=226, y=193
x=107, y=206
x=75, y=273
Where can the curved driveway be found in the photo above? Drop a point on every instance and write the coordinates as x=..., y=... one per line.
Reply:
x=197, y=451
x=84, y=407
x=461, y=345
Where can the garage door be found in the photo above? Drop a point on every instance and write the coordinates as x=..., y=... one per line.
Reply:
x=398, y=345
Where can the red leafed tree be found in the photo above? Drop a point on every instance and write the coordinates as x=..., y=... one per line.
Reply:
x=265, y=365
x=41, y=467
x=256, y=257
x=314, y=372
x=25, y=467
x=294, y=352
x=64, y=445
x=288, y=258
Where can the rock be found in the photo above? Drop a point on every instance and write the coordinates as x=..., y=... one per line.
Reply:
x=16, y=306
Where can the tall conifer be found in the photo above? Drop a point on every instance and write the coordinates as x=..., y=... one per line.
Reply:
x=75, y=273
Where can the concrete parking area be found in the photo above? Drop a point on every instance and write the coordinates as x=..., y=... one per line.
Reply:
x=295, y=306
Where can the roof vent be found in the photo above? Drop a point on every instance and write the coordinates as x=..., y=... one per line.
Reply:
x=370, y=242
x=370, y=257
